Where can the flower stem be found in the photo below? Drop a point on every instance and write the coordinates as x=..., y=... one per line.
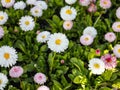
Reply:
x=52, y=63
x=97, y=20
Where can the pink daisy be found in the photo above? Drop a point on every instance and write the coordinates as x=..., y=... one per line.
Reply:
x=110, y=61
x=1, y=32
x=16, y=71
x=43, y=87
x=67, y=25
x=116, y=26
x=40, y=78
x=84, y=2
x=105, y=4
x=92, y=8
x=118, y=13
x=110, y=36
x=86, y=39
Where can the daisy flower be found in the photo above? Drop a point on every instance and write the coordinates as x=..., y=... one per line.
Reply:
x=84, y=2
x=68, y=13
x=110, y=61
x=30, y=2
x=97, y=66
x=90, y=31
x=3, y=17
x=36, y=11
x=19, y=5
x=27, y=23
x=118, y=13
x=43, y=36
x=58, y=42
x=8, y=56
x=40, y=78
x=70, y=1
x=105, y=4
x=3, y=81
x=7, y=3
x=116, y=50
x=43, y=87
x=16, y=71
x=92, y=8
x=42, y=4
x=86, y=39
x=110, y=36
x=1, y=32
x=116, y=26
x=67, y=25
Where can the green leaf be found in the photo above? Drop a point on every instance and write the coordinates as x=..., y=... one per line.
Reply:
x=107, y=74
x=80, y=80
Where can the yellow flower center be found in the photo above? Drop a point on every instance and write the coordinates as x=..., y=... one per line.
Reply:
x=43, y=36
x=105, y=2
x=1, y=17
x=7, y=1
x=68, y=11
x=27, y=22
x=118, y=26
x=6, y=56
x=68, y=24
x=96, y=65
x=86, y=39
x=0, y=81
x=58, y=41
x=36, y=11
x=119, y=50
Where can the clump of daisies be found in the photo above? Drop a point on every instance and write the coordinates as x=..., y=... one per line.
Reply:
x=3, y=81
x=8, y=56
x=7, y=3
x=40, y=78
x=68, y=13
x=3, y=17
x=19, y=5
x=96, y=66
x=27, y=23
x=105, y=4
x=88, y=36
x=58, y=42
x=16, y=71
x=1, y=32
x=43, y=36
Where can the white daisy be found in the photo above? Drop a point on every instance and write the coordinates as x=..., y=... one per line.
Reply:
x=90, y=31
x=116, y=50
x=19, y=5
x=27, y=23
x=70, y=1
x=3, y=17
x=43, y=36
x=58, y=42
x=36, y=11
x=3, y=81
x=97, y=66
x=118, y=12
x=8, y=56
x=86, y=39
x=116, y=26
x=68, y=13
x=42, y=4
x=7, y=3
x=30, y=2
